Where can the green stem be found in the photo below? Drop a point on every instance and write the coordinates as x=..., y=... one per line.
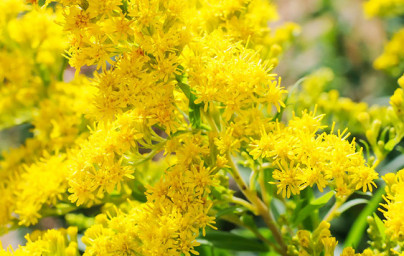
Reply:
x=264, y=192
x=244, y=203
x=253, y=178
x=262, y=209
x=155, y=151
x=211, y=122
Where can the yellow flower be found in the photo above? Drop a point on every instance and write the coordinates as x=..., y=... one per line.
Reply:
x=42, y=183
x=51, y=242
x=383, y=7
x=263, y=147
x=226, y=142
x=289, y=179
x=394, y=206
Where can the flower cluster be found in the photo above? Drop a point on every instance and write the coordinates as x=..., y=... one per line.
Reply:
x=394, y=205
x=320, y=240
x=392, y=55
x=176, y=209
x=30, y=52
x=305, y=159
x=52, y=242
x=384, y=7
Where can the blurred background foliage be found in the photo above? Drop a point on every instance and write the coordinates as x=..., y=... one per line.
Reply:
x=337, y=35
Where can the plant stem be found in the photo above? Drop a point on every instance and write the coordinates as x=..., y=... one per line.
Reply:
x=264, y=193
x=158, y=148
x=253, y=178
x=211, y=122
x=244, y=203
x=262, y=209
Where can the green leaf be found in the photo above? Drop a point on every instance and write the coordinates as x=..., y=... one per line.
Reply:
x=184, y=88
x=271, y=253
x=321, y=201
x=380, y=226
x=312, y=206
x=358, y=228
x=226, y=240
x=194, y=112
x=248, y=220
x=209, y=250
x=229, y=210
x=400, y=149
x=352, y=203
x=138, y=191
x=310, y=223
x=300, y=204
x=182, y=82
x=204, y=250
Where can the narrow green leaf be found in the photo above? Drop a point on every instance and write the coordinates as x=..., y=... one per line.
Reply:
x=204, y=250
x=229, y=210
x=226, y=240
x=248, y=220
x=300, y=204
x=182, y=82
x=380, y=226
x=194, y=112
x=400, y=149
x=124, y=7
x=185, y=89
x=352, y=203
x=312, y=206
x=209, y=250
x=322, y=200
x=271, y=253
x=310, y=223
x=358, y=228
